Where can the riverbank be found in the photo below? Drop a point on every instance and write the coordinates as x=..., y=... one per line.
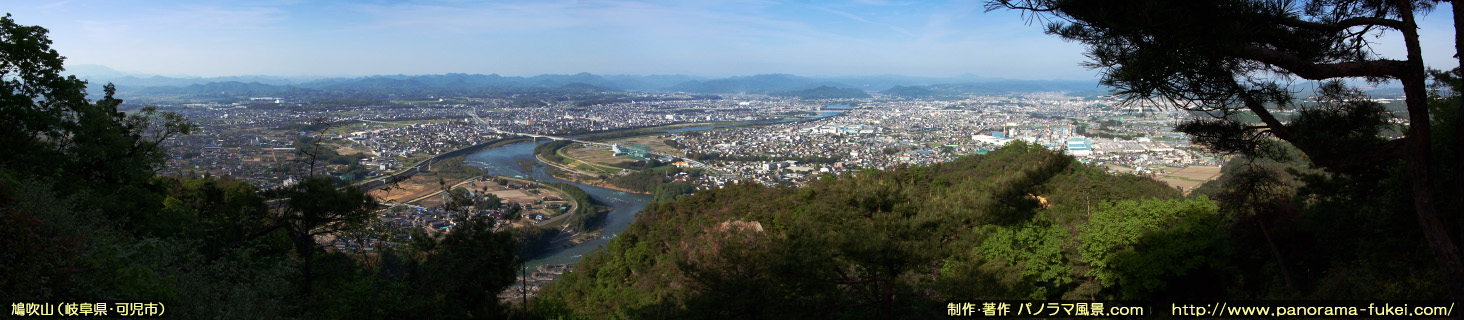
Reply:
x=503, y=161
x=423, y=183
x=600, y=183
x=415, y=168
x=590, y=135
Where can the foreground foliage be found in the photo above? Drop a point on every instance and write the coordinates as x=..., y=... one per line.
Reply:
x=1235, y=60
x=85, y=217
x=1015, y=223
x=1019, y=223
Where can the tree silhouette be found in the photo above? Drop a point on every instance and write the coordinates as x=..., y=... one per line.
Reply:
x=315, y=207
x=51, y=129
x=1225, y=58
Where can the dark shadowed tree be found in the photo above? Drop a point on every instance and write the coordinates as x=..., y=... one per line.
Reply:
x=52, y=131
x=471, y=265
x=315, y=207
x=1228, y=57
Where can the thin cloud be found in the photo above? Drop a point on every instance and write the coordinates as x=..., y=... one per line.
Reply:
x=855, y=17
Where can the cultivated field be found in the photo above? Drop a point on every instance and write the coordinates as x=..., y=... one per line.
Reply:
x=591, y=159
x=425, y=189
x=351, y=148
x=1189, y=177
x=656, y=143
x=593, y=154
x=415, y=187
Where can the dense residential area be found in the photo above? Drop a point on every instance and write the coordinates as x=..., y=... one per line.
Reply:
x=763, y=139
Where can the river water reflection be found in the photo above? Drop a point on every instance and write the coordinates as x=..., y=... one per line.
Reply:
x=504, y=161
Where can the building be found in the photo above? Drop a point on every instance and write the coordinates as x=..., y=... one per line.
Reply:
x=1079, y=147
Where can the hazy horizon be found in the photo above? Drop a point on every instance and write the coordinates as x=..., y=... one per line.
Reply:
x=526, y=38
x=108, y=72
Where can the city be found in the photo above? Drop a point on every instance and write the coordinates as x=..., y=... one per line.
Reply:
x=259, y=145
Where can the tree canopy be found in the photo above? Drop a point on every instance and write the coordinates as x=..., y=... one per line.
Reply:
x=897, y=243
x=1228, y=57
x=85, y=215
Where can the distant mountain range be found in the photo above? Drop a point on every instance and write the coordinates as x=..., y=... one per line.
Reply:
x=778, y=84
x=823, y=92
x=754, y=84
x=992, y=87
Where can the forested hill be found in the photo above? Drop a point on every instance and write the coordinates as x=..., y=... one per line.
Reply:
x=1020, y=222
x=824, y=92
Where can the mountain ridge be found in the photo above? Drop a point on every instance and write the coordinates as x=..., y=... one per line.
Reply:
x=759, y=83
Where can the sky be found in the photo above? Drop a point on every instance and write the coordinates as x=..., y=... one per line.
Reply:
x=526, y=38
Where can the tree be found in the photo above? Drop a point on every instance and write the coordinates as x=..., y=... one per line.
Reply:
x=84, y=214
x=459, y=197
x=490, y=201
x=52, y=131
x=512, y=213
x=37, y=100
x=311, y=147
x=1156, y=248
x=315, y=207
x=1225, y=58
x=471, y=265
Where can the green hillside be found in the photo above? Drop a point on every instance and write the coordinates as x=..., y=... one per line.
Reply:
x=894, y=243
x=1019, y=223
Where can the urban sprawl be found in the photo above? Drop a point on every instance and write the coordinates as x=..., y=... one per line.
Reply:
x=258, y=145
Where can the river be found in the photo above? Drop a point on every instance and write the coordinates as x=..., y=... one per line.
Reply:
x=504, y=161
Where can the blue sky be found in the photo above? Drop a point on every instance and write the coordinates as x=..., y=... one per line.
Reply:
x=705, y=38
